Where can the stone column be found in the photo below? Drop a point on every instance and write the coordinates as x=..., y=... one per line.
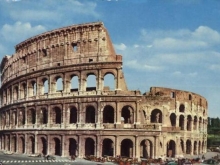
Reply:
x=117, y=146
x=48, y=116
x=63, y=144
x=36, y=143
x=25, y=144
x=99, y=82
x=137, y=114
x=48, y=145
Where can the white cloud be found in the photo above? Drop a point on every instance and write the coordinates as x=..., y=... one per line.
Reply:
x=53, y=11
x=20, y=31
x=183, y=49
x=120, y=46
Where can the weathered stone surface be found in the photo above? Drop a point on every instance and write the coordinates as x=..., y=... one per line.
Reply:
x=38, y=116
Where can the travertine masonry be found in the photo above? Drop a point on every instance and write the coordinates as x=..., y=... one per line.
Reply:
x=49, y=107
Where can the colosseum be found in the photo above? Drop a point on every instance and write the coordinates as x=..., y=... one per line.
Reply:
x=48, y=105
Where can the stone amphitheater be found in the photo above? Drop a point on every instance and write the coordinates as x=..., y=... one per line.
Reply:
x=49, y=107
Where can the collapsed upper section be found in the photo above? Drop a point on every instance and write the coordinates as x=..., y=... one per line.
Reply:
x=76, y=44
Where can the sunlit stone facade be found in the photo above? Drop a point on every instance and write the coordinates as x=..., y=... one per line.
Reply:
x=49, y=107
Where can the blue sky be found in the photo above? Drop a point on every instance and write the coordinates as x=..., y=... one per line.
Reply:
x=166, y=43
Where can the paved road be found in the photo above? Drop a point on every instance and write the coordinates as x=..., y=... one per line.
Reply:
x=18, y=159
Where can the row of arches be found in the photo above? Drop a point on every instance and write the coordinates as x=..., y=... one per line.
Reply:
x=107, y=146
x=69, y=82
x=108, y=114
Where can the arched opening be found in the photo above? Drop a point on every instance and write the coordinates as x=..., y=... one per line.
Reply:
x=90, y=114
x=44, y=116
x=181, y=122
x=72, y=147
x=46, y=86
x=21, y=145
x=127, y=114
x=59, y=84
x=57, y=146
x=109, y=82
x=31, y=146
x=127, y=148
x=189, y=121
x=57, y=116
x=73, y=115
x=171, y=148
x=89, y=147
x=74, y=83
x=43, y=146
x=31, y=116
x=199, y=148
x=15, y=93
x=188, y=147
x=23, y=90
x=91, y=82
x=108, y=114
x=195, y=123
x=182, y=108
x=146, y=149
x=13, y=144
x=173, y=120
x=195, y=148
x=107, y=147
x=156, y=116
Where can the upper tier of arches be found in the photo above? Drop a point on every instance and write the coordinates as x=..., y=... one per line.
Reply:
x=72, y=45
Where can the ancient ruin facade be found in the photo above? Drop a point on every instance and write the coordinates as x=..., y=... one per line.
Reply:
x=49, y=107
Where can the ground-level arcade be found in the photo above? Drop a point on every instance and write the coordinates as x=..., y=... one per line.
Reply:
x=82, y=144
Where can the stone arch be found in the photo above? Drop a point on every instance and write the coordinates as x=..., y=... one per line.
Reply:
x=189, y=123
x=127, y=113
x=188, y=147
x=45, y=87
x=14, y=144
x=31, y=145
x=146, y=149
x=107, y=147
x=90, y=114
x=31, y=116
x=21, y=117
x=89, y=146
x=56, y=115
x=195, y=122
x=73, y=115
x=182, y=108
x=74, y=82
x=21, y=145
x=109, y=81
x=171, y=148
x=57, y=146
x=43, y=115
x=73, y=147
x=181, y=122
x=200, y=123
x=173, y=119
x=195, y=148
x=127, y=148
x=23, y=90
x=43, y=145
x=156, y=116
x=59, y=83
x=32, y=88
x=199, y=147
x=91, y=82
x=15, y=93
x=14, y=118
x=108, y=114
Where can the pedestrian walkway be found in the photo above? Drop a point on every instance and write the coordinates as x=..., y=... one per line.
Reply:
x=33, y=161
